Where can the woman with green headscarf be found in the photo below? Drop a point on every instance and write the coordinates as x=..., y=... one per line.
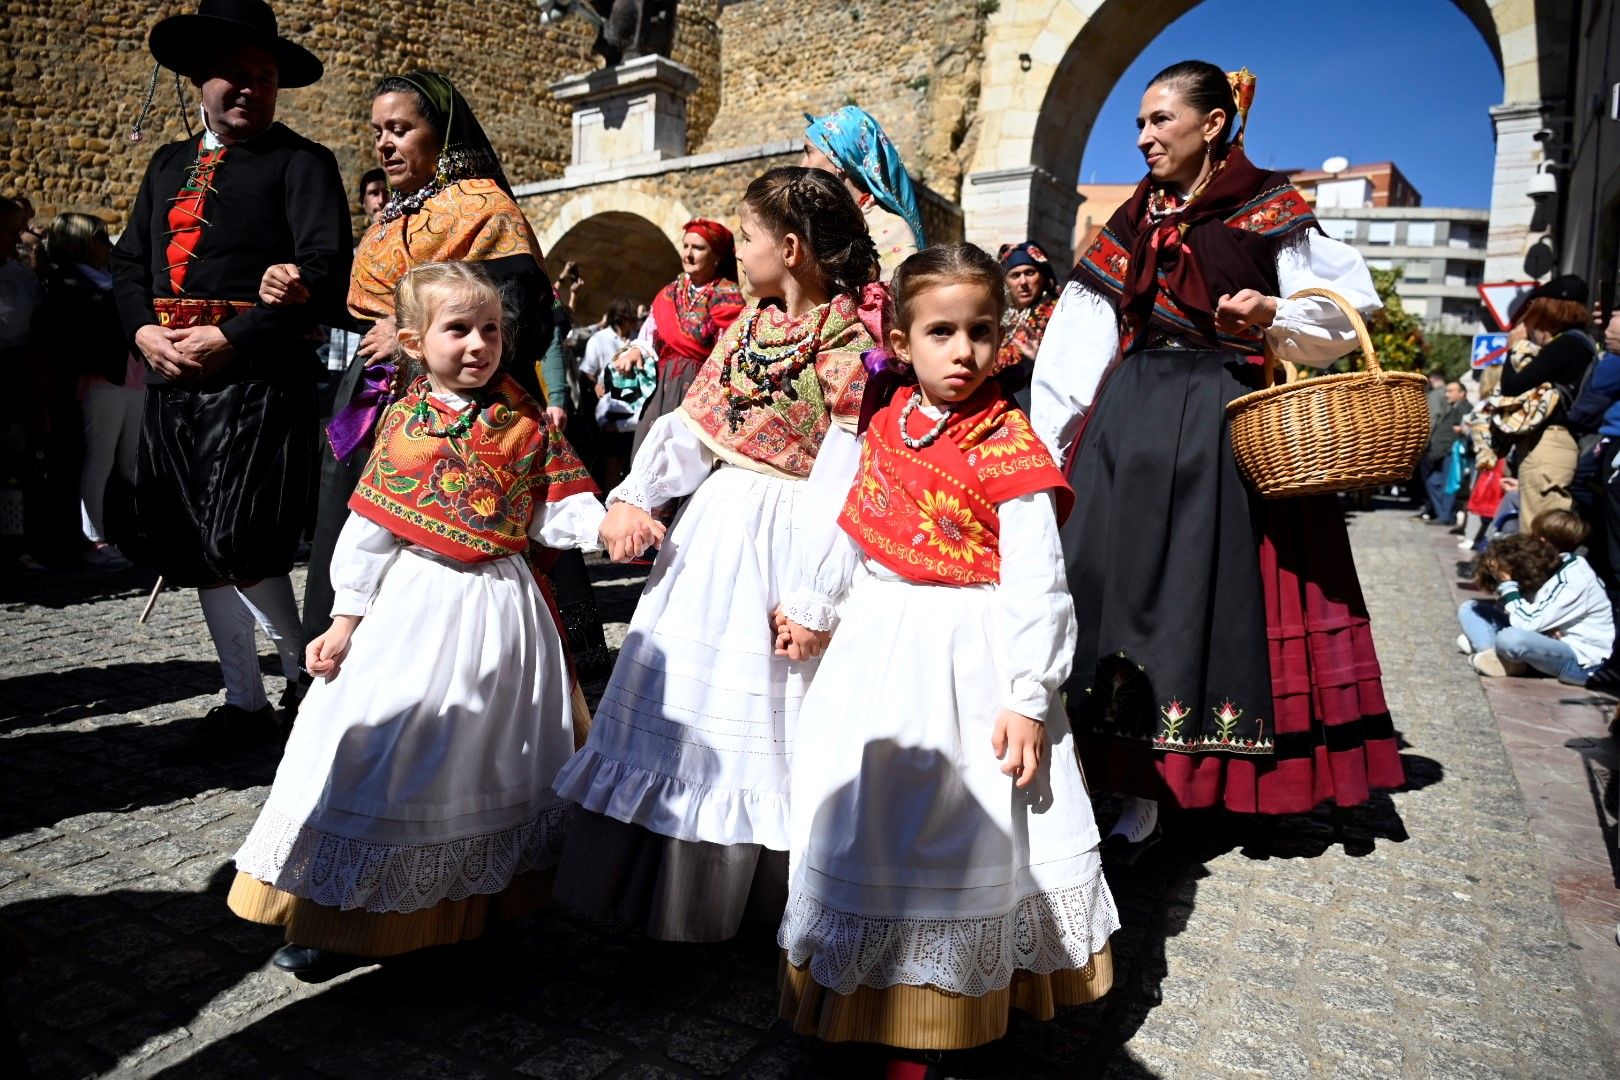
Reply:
x=449, y=200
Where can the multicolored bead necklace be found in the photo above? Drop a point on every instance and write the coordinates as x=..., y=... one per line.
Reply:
x=1161, y=204
x=456, y=428
x=772, y=370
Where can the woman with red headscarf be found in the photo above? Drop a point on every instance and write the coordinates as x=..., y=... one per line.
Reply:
x=688, y=317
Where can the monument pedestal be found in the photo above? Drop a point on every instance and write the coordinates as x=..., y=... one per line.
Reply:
x=628, y=115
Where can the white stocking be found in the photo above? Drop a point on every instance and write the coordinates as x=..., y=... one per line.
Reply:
x=271, y=603
x=1136, y=819
x=230, y=624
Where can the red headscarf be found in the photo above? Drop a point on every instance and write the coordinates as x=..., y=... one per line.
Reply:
x=720, y=242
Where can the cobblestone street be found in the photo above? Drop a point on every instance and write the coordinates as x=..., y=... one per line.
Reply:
x=1428, y=943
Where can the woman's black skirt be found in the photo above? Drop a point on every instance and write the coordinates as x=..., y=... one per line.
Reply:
x=1163, y=565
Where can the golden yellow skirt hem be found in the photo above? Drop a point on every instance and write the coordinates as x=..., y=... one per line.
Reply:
x=377, y=934
x=928, y=1018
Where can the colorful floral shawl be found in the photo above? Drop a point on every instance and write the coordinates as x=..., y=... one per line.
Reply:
x=819, y=377
x=688, y=320
x=929, y=515
x=468, y=497
x=469, y=221
x=1026, y=327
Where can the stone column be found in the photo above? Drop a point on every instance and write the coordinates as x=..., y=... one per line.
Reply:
x=1514, y=214
x=632, y=114
x=1006, y=206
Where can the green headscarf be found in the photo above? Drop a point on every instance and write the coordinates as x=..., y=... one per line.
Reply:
x=467, y=151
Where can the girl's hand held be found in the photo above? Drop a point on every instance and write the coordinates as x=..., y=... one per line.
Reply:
x=1019, y=743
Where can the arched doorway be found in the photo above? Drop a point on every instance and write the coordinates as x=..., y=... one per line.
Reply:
x=619, y=254
x=1050, y=64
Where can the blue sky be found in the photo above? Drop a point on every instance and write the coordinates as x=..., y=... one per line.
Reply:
x=1408, y=81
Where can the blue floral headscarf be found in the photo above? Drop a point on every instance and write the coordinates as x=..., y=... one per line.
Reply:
x=857, y=145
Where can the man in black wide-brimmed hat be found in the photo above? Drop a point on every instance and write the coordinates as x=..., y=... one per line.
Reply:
x=226, y=441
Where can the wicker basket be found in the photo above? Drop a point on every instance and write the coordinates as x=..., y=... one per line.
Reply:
x=1333, y=432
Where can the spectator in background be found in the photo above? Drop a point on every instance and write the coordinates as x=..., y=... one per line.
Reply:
x=24, y=428
x=83, y=315
x=619, y=395
x=1444, y=430
x=1597, y=410
x=373, y=194
x=343, y=340
x=1555, y=318
x=1032, y=287
x=1551, y=614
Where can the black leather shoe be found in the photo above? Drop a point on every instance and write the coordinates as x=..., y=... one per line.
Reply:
x=224, y=729
x=1118, y=851
x=298, y=959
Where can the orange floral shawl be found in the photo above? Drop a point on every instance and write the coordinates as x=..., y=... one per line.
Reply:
x=470, y=496
x=469, y=221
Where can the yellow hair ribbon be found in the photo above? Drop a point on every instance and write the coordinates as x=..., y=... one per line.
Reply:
x=1242, y=82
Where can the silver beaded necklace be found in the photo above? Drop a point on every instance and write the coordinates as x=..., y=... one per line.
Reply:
x=928, y=439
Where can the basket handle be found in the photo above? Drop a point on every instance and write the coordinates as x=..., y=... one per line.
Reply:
x=1357, y=323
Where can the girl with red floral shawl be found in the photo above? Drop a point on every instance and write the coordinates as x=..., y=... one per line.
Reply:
x=945, y=857
x=687, y=318
x=414, y=803
x=683, y=786
x=1224, y=654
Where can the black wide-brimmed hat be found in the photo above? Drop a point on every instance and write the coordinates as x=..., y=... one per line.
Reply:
x=184, y=43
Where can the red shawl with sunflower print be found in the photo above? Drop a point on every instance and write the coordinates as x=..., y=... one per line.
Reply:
x=930, y=515
x=469, y=495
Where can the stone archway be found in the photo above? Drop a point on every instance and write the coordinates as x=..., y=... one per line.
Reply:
x=619, y=254
x=1036, y=118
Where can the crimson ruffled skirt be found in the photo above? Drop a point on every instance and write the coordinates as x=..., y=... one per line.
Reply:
x=1224, y=653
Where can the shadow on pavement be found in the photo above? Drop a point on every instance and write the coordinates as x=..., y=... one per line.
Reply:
x=67, y=587
x=56, y=775
x=61, y=697
x=127, y=972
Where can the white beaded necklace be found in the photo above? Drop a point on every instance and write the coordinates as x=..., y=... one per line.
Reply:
x=928, y=439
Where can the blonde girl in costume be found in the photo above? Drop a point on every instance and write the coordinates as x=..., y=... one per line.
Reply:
x=945, y=862
x=414, y=803
x=684, y=782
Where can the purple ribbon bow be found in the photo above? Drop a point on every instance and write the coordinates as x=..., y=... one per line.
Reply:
x=884, y=375
x=352, y=428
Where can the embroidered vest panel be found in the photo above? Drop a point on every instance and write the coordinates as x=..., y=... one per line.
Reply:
x=468, y=496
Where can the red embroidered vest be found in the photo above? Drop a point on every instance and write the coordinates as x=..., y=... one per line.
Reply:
x=929, y=515
x=468, y=496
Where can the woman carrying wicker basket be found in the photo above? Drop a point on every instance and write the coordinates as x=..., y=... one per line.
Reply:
x=1224, y=655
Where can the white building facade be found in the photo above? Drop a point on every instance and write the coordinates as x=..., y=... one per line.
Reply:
x=1440, y=250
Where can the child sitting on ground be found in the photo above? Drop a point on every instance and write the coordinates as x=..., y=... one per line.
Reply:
x=1551, y=612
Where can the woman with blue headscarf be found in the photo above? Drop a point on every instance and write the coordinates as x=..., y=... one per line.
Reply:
x=852, y=146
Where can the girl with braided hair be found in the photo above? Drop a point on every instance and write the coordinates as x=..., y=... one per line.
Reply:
x=683, y=785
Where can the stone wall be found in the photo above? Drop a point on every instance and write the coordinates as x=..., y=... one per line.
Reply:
x=913, y=64
x=74, y=73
